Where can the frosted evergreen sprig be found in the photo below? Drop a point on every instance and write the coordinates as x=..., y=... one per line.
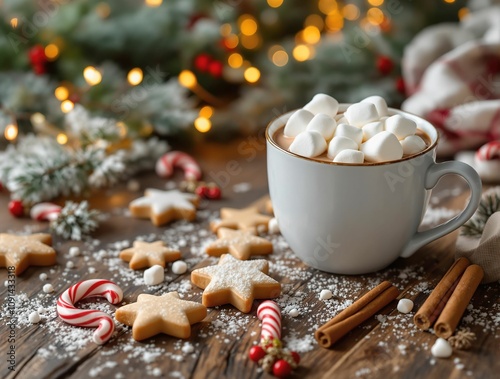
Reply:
x=489, y=204
x=75, y=221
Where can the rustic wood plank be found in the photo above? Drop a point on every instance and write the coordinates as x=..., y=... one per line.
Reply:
x=392, y=348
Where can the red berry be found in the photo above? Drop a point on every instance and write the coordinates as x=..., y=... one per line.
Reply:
x=295, y=356
x=16, y=208
x=256, y=353
x=400, y=85
x=202, y=62
x=215, y=69
x=201, y=191
x=37, y=55
x=281, y=368
x=213, y=193
x=384, y=65
x=39, y=69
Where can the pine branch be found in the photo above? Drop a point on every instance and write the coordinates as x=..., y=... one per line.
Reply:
x=490, y=204
x=75, y=221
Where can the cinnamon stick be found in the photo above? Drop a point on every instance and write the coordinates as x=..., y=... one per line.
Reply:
x=361, y=310
x=456, y=305
x=435, y=303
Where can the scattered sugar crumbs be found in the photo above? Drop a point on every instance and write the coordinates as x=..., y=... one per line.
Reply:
x=301, y=287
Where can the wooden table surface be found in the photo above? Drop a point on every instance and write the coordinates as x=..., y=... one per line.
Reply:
x=386, y=346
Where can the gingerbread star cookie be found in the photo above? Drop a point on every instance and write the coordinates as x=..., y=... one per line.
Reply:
x=235, y=282
x=147, y=254
x=241, y=244
x=164, y=206
x=243, y=219
x=168, y=314
x=23, y=251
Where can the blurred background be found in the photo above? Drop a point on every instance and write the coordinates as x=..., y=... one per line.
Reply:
x=191, y=67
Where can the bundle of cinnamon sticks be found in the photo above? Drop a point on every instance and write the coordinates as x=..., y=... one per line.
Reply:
x=443, y=308
x=355, y=314
x=447, y=303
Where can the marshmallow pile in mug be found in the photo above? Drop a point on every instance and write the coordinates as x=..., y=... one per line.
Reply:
x=364, y=132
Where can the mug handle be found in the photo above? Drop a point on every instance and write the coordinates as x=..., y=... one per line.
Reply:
x=433, y=174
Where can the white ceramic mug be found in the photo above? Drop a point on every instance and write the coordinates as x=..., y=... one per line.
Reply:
x=356, y=219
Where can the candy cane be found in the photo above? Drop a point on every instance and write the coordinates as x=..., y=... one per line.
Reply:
x=269, y=313
x=489, y=151
x=89, y=317
x=166, y=164
x=45, y=211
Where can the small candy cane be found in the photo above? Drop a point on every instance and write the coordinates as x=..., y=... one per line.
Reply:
x=489, y=151
x=269, y=313
x=89, y=317
x=45, y=212
x=166, y=164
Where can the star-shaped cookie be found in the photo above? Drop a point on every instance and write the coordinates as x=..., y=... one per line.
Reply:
x=243, y=219
x=147, y=254
x=168, y=314
x=235, y=282
x=241, y=244
x=23, y=251
x=164, y=206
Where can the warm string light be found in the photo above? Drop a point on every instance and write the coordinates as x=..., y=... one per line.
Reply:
x=235, y=60
x=135, y=76
x=375, y=16
x=252, y=74
x=462, y=12
x=51, y=52
x=302, y=53
x=188, y=79
x=92, y=76
x=67, y=106
x=11, y=132
x=207, y=111
x=327, y=6
x=274, y=3
x=61, y=93
x=14, y=22
x=376, y=3
x=350, y=12
x=153, y=3
x=202, y=124
x=62, y=139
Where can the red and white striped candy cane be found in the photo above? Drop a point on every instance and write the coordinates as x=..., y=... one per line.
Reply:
x=269, y=313
x=489, y=151
x=89, y=317
x=166, y=164
x=45, y=211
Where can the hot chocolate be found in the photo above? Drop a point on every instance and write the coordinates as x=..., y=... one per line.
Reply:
x=365, y=133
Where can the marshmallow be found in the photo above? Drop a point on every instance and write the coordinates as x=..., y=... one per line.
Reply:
x=308, y=144
x=294, y=312
x=361, y=113
x=297, y=123
x=179, y=267
x=350, y=156
x=325, y=295
x=413, y=145
x=379, y=103
x=323, y=124
x=74, y=251
x=369, y=130
x=400, y=126
x=405, y=305
x=322, y=103
x=441, y=348
x=34, y=317
x=338, y=144
x=154, y=275
x=384, y=146
x=273, y=226
x=349, y=131
x=48, y=288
